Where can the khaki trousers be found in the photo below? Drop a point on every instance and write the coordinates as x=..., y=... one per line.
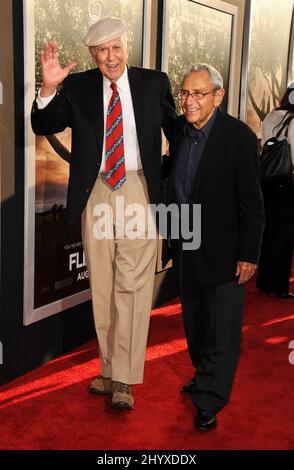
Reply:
x=121, y=273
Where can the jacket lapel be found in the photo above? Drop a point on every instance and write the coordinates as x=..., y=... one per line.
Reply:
x=95, y=105
x=176, y=145
x=211, y=151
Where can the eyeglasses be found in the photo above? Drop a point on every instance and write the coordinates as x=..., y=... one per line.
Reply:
x=195, y=95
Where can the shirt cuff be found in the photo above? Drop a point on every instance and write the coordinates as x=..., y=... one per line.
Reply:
x=43, y=102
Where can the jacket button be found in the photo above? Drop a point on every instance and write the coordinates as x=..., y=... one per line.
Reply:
x=87, y=190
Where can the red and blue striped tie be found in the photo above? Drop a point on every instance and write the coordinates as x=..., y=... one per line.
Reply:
x=115, y=172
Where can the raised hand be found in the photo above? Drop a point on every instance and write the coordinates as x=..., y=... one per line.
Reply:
x=52, y=73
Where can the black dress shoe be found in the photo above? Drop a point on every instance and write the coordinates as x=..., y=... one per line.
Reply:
x=189, y=386
x=286, y=295
x=205, y=421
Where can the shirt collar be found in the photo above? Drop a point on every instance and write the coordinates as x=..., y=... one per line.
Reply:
x=192, y=131
x=122, y=82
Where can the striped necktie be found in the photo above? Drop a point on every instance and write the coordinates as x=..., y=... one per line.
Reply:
x=115, y=172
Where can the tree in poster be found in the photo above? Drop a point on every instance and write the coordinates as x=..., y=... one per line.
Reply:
x=269, y=42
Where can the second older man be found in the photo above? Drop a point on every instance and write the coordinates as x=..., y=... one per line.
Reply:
x=216, y=165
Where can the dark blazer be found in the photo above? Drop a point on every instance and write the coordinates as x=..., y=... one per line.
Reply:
x=79, y=105
x=227, y=187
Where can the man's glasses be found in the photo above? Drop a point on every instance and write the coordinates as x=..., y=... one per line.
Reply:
x=195, y=95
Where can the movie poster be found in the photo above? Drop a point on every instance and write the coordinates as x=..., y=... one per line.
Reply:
x=196, y=32
x=268, y=58
x=56, y=275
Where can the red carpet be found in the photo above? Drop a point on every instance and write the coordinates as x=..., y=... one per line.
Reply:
x=49, y=408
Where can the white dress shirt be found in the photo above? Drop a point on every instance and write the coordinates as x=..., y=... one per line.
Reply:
x=131, y=146
x=42, y=102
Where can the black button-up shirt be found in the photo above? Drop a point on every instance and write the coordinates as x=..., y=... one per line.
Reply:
x=191, y=151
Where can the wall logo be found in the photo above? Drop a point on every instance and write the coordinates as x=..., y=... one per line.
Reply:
x=95, y=10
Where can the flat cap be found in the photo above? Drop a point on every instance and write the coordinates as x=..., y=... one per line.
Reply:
x=104, y=30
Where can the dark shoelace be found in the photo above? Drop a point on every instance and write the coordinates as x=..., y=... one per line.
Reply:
x=120, y=387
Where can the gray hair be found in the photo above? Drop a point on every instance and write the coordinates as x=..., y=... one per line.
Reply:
x=214, y=75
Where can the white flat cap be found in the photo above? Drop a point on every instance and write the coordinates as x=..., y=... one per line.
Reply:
x=104, y=30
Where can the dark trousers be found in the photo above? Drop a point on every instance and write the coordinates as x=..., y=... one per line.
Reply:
x=213, y=325
x=275, y=261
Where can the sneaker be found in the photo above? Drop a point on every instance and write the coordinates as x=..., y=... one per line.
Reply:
x=122, y=397
x=101, y=386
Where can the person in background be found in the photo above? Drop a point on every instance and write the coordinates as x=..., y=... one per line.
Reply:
x=116, y=113
x=275, y=262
